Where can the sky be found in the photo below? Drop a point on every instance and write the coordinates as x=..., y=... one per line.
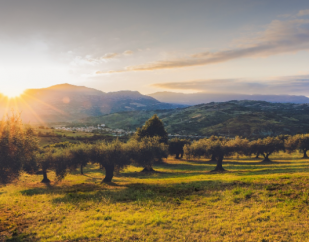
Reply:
x=215, y=46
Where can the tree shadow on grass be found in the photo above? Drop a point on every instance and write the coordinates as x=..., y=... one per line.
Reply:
x=170, y=193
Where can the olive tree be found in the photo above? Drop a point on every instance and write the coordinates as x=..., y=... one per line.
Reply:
x=80, y=155
x=58, y=160
x=112, y=156
x=298, y=142
x=267, y=146
x=219, y=148
x=147, y=152
x=18, y=147
x=175, y=147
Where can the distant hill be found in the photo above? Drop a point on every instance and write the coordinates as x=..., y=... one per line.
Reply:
x=199, y=98
x=243, y=118
x=67, y=102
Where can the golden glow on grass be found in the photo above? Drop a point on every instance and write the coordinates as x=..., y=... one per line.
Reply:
x=184, y=202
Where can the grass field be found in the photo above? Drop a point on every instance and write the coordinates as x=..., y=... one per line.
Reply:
x=183, y=201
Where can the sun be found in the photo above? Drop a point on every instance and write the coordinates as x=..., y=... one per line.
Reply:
x=12, y=92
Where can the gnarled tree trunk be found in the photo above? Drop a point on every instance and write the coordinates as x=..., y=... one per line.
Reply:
x=177, y=156
x=257, y=155
x=45, y=179
x=148, y=169
x=213, y=158
x=305, y=154
x=81, y=170
x=181, y=154
x=219, y=166
x=266, y=159
x=109, y=173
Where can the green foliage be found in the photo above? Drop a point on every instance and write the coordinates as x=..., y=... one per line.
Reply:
x=112, y=156
x=298, y=142
x=147, y=152
x=153, y=127
x=216, y=147
x=18, y=145
x=57, y=159
x=175, y=147
x=80, y=155
x=267, y=146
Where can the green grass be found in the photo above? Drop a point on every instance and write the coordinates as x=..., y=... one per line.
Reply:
x=183, y=201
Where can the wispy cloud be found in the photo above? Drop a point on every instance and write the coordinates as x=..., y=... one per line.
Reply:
x=297, y=85
x=303, y=12
x=90, y=60
x=278, y=38
x=110, y=56
x=128, y=52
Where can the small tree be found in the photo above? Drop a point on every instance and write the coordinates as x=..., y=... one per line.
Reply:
x=175, y=147
x=147, y=152
x=59, y=160
x=298, y=142
x=218, y=148
x=267, y=146
x=112, y=156
x=18, y=147
x=80, y=155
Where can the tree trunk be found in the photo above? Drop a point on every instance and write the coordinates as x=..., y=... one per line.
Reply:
x=219, y=166
x=109, y=173
x=177, y=156
x=266, y=159
x=213, y=158
x=257, y=155
x=305, y=154
x=148, y=169
x=181, y=154
x=81, y=170
x=45, y=179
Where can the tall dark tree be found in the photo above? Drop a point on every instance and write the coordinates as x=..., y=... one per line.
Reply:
x=152, y=127
x=175, y=147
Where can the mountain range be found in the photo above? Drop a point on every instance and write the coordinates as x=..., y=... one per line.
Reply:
x=65, y=102
x=199, y=98
x=242, y=118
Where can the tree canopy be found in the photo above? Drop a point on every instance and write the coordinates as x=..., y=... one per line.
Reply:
x=18, y=145
x=153, y=127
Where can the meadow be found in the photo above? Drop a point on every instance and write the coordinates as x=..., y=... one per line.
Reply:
x=182, y=201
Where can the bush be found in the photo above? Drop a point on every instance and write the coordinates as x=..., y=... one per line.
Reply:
x=18, y=146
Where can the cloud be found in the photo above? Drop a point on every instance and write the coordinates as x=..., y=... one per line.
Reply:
x=110, y=56
x=278, y=38
x=297, y=85
x=303, y=12
x=128, y=52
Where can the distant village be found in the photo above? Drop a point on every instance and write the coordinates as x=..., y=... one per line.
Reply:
x=101, y=128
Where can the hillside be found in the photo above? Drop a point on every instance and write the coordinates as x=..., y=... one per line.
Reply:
x=244, y=118
x=67, y=102
x=199, y=98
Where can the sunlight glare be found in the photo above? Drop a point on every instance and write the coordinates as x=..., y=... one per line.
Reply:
x=12, y=92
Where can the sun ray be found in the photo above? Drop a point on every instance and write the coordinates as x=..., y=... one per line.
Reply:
x=46, y=104
x=33, y=112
